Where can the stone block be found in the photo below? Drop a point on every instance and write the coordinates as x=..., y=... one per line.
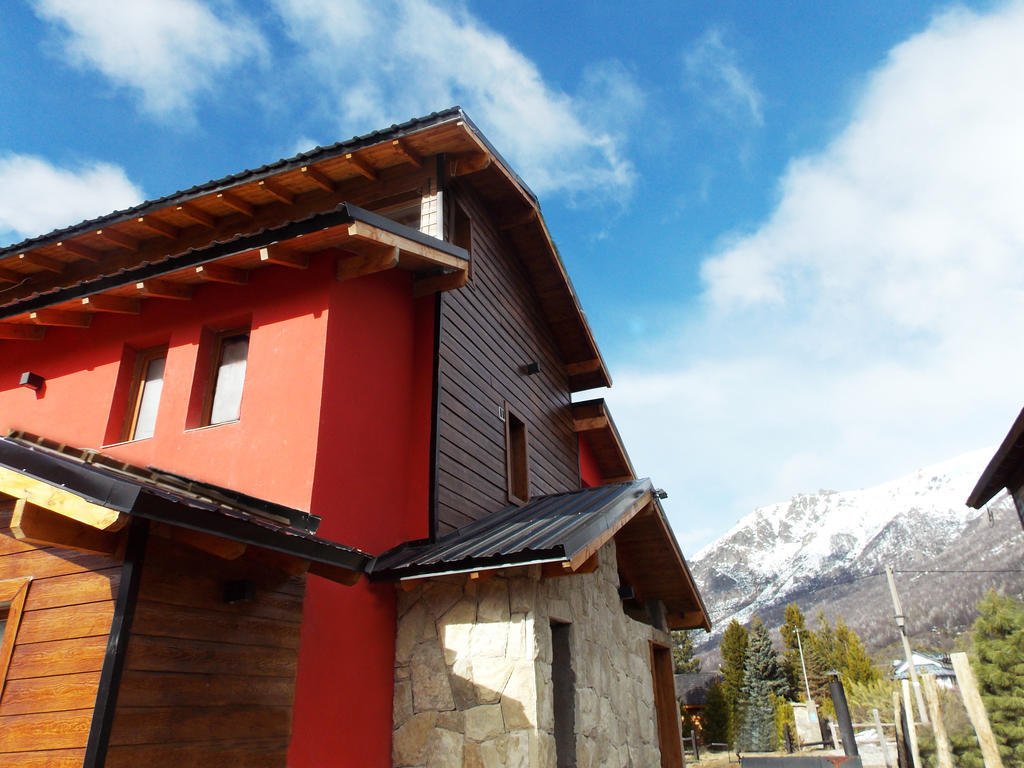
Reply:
x=452, y=721
x=410, y=631
x=558, y=608
x=484, y=723
x=490, y=676
x=522, y=594
x=401, y=704
x=430, y=688
x=410, y=743
x=518, y=636
x=461, y=680
x=493, y=601
x=445, y=749
x=455, y=628
x=440, y=595
x=517, y=753
x=519, y=697
x=488, y=639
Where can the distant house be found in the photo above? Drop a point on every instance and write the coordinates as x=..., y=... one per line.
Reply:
x=1005, y=470
x=926, y=663
x=293, y=476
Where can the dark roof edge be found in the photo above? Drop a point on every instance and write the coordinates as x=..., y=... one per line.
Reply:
x=343, y=214
x=995, y=475
x=317, y=154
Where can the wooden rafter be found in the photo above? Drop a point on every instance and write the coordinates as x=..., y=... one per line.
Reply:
x=277, y=191
x=358, y=265
x=61, y=317
x=529, y=215
x=278, y=254
x=59, y=500
x=124, y=305
x=424, y=286
x=407, y=153
x=163, y=289
x=233, y=201
x=159, y=227
x=319, y=178
x=463, y=165
x=367, y=233
x=78, y=250
x=44, y=527
x=15, y=332
x=218, y=273
x=197, y=215
x=587, y=424
x=118, y=238
x=586, y=366
x=44, y=262
x=362, y=166
x=13, y=592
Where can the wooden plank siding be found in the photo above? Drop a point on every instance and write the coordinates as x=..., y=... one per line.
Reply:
x=47, y=704
x=207, y=682
x=491, y=328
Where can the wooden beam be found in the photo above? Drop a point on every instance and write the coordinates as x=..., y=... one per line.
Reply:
x=198, y=215
x=159, y=227
x=424, y=286
x=225, y=549
x=61, y=317
x=218, y=273
x=15, y=331
x=335, y=573
x=319, y=178
x=14, y=592
x=463, y=165
x=408, y=154
x=44, y=262
x=358, y=265
x=276, y=254
x=517, y=221
x=79, y=250
x=277, y=191
x=10, y=276
x=362, y=166
x=118, y=238
x=583, y=555
x=162, y=289
x=586, y=366
x=124, y=305
x=41, y=526
x=60, y=501
x=367, y=233
x=233, y=201
x=594, y=422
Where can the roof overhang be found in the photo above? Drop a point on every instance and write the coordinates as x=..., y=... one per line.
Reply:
x=563, y=533
x=79, y=499
x=592, y=420
x=445, y=145
x=1004, y=470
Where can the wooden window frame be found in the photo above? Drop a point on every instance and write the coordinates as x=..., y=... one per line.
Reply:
x=12, y=599
x=143, y=358
x=517, y=458
x=216, y=349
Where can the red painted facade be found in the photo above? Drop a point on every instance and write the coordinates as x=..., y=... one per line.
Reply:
x=335, y=418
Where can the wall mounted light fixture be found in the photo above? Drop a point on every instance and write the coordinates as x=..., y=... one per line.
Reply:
x=32, y=381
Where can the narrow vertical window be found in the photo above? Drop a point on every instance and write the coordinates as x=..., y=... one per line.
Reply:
x=517, y=460
x=563, y=681
x=147, y=384
x=228, y=377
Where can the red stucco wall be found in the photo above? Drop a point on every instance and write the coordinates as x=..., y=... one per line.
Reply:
x=590, y=475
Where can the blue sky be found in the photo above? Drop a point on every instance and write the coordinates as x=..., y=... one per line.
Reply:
x=795, y=227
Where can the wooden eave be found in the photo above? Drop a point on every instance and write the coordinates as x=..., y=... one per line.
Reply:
x=361, y=242
x=593, y=422
x=371, y=171
x=1004, y=470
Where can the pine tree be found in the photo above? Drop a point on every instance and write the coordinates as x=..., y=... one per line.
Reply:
x=683, y=660
x=793, y=621
x=717, y=721
x=763, y=681
x=854, y=663
x=733, y=648
x=998, y=636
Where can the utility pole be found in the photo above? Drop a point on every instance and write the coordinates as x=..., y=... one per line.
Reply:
x=901, y=622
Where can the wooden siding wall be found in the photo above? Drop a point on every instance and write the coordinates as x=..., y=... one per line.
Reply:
x=490, y=328
x=47, y=704
x=206, y=682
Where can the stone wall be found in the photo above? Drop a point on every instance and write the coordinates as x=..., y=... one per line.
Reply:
x=473, y=671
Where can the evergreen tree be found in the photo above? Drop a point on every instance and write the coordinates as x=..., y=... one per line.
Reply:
x=763, y=681
x=733, y=648
x=793, y=621
x=854, y=662
x=683, y=660
x=717, y=721
x=998, y=635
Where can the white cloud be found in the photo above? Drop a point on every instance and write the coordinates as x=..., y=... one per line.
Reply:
x=36, y=197
x=712, y=69
x=390, y=60
x=872, y=323
x=168, y=50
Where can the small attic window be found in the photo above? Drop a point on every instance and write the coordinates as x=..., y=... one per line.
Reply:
x=517, y=459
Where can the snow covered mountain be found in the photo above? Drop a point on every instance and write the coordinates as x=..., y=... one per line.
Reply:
x=825, y=549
